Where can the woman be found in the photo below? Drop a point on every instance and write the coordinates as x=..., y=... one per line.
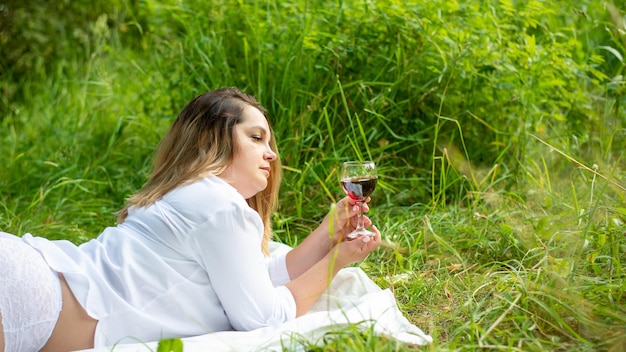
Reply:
x=190, y=253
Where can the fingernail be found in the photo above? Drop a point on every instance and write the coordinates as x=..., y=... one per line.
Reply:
x=355, y=208
x=366, y=239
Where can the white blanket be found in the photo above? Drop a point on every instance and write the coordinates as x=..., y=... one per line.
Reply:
x=351, y=300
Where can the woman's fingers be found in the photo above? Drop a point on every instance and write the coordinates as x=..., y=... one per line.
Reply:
x=377, y=232
x=349, y=202
x=371, y=242
x=347, y=214
x=353, y=251
x=366, y=221
x=349, y=208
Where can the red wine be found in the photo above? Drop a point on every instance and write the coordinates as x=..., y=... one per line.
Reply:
x=360, y=187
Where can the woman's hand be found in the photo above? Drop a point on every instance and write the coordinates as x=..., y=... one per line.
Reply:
x=339, y=221
x=349, y=252
x=342, y=219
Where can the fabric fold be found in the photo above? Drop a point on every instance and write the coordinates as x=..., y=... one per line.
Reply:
x=353, y=300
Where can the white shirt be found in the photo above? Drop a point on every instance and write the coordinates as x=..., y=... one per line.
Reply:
x=189, y=264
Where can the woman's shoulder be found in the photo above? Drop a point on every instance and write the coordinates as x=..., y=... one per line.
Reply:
x=209, y=185
x=209, y=194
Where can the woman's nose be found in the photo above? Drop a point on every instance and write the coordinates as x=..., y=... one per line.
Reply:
x=270, y=154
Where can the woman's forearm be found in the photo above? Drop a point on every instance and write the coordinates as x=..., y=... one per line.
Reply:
x=308, y=253
x=311, y=283
x=308, y=287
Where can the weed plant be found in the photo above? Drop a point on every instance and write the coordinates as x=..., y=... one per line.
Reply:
x=497, y=127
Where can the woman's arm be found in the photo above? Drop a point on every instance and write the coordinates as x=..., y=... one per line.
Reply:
x=308, y=287
x=340, y=220
x=227, y=246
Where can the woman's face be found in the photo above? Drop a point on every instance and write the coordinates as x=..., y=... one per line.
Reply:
x=250, y=168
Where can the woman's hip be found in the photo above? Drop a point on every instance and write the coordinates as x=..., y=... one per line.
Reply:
x=30, y=295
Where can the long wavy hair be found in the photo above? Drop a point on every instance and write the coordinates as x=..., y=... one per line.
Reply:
x=201, y=143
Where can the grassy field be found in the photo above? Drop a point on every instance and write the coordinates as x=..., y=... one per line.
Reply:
x=497, y=127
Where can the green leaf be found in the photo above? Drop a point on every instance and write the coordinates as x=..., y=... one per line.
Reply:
x=614, y=52
x=170, y=345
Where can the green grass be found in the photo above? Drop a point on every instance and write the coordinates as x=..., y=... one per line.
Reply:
x=497, y=127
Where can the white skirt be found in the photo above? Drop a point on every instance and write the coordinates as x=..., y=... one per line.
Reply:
x=30, y=296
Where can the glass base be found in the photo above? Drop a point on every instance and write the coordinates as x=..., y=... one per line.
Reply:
x=360, y=232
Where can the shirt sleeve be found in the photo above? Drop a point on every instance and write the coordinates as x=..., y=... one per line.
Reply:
x=228, y=247
x=277, y=268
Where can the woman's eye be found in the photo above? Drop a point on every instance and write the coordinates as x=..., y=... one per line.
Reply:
x=257, y=138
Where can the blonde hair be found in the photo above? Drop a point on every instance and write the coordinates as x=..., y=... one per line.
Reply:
x=201, y=143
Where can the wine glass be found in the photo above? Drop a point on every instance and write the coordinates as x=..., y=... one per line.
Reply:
x=358, y=180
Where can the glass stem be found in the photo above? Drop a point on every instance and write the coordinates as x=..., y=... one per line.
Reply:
x=359, y=218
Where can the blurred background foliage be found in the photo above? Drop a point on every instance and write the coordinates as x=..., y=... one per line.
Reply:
x=445, y=95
